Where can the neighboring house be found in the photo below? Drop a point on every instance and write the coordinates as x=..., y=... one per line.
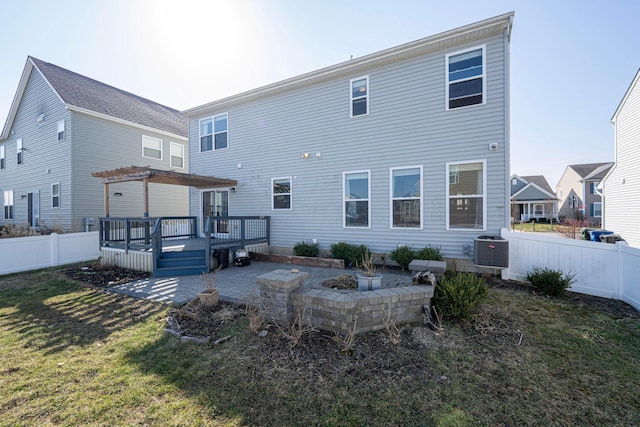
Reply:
x=62, y=127
x=579, y=193
x=409, y=145
x=532, y=199
x=622, y=183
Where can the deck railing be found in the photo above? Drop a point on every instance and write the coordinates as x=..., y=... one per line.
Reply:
x=229, y=232
x=137, y=233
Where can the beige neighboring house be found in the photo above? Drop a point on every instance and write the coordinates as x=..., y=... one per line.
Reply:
x=622, y=185
x=579, y=192
x=532, y=199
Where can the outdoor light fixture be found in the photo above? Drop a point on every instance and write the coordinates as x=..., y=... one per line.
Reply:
x=304, y=155
x=118, y=194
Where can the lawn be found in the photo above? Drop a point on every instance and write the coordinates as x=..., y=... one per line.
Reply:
x=73, y=355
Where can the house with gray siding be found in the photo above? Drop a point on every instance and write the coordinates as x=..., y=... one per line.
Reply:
x=407, y=146
x=532, y=199
x=622, y=183
x=63, y=126
x=579, y=192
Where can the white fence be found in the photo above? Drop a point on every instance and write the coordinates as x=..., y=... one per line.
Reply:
x=30, y=253
x=601, y=269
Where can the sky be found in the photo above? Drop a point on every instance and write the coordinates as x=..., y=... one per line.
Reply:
x=571, y=61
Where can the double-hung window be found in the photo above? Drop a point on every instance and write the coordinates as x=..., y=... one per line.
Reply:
x=359, y=96
x=3, y=163
x=406, y=197
x=596, y=209
x=177, y=155
x=466, y=78
x=356, y=201
x=60, y=130
x=55, y=195
x=281, y=193
x=19, y=150
x=466, y=207
x=8, y=204
x=214, y=133
x=151, y=147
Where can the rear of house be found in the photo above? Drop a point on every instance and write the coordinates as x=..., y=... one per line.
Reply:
x=408, y=146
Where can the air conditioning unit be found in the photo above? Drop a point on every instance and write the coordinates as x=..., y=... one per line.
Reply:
x=491, y=251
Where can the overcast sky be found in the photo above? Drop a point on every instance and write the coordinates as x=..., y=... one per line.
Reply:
x=571, y=61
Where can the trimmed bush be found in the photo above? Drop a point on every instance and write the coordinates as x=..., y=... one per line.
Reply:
x=351, y=254
x=456, y=296
x=430, y=253
x=550, y=282
x=306, y=249
x=403, y=255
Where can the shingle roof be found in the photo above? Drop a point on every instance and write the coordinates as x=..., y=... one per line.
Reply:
x=540, y=181
x=89, y=94
x=587, y=169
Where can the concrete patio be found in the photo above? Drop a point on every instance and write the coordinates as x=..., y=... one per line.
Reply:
x=235, y=283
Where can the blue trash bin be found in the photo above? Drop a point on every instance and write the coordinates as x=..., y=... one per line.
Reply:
x=595, y=234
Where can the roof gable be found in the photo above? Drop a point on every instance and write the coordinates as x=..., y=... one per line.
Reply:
x=589, y=169
x=532, y=192
x=634, y=82
x=540, y=181
x=83, y=94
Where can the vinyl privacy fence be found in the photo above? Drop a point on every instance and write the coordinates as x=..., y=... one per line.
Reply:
x=30, y=253
x=601, y=269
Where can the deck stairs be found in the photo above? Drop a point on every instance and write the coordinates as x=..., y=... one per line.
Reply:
x=181, y=263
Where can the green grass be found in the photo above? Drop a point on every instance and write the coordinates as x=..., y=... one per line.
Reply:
x=77, y=356
x=537, y=227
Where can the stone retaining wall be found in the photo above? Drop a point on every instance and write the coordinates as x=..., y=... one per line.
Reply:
x=338, y=311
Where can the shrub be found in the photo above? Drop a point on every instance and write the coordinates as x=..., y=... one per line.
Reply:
x=430, y=253
x=351, y=254
x=403, y=255
x=550, y=282
x=457, y=295
x=306, y=249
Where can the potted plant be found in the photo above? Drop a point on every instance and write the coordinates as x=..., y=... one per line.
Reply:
x=369, y=275
x=210, y=295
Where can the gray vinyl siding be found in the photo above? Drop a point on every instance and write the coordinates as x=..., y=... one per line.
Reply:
x=621, y=203
x=45, y=159
x=407, y=125
x=532, y=193
x=100, y=145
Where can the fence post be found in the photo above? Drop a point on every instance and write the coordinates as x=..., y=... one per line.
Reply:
x=54, y=249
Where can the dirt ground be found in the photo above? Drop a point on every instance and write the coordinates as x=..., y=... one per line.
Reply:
x=195, y=320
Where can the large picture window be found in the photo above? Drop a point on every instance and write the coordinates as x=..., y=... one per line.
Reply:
x=356, y=190
x=360, y=96
x=466, y=79
x=151, y=147
x=8, y=204
x=406, y=197
x=466, y=195
x=281, y=193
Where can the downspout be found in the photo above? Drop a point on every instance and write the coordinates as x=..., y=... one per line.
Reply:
x=507, y=115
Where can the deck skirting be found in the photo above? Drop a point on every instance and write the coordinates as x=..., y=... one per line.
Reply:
x=135, y=260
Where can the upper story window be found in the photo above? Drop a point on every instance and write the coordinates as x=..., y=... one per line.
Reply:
x=55, y=195
x=360, y=96
x=151, y=147
x=177, y=155
x=466, y=80
x=60, y=130
x=214, y=133
x=357, y=212
x=19, y=150
x=466, y=195
x=281, y=193
x=592, y=187
x=8, y=204
x=3, y=163
x=406, y=197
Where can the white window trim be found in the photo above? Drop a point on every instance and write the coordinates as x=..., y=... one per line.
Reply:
x=273, y=208
x=594, y=210
x=3, y=159
x=484, y=77
x=213, y=129
x=484, y=194
x=61, y=125
x=152, y=148
x=351, y=98
x=19, y=151
x=5, y=204
x=391, y=198
x=175, y=144
x=344, y=199
x=200, y=135
x=58, y=195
